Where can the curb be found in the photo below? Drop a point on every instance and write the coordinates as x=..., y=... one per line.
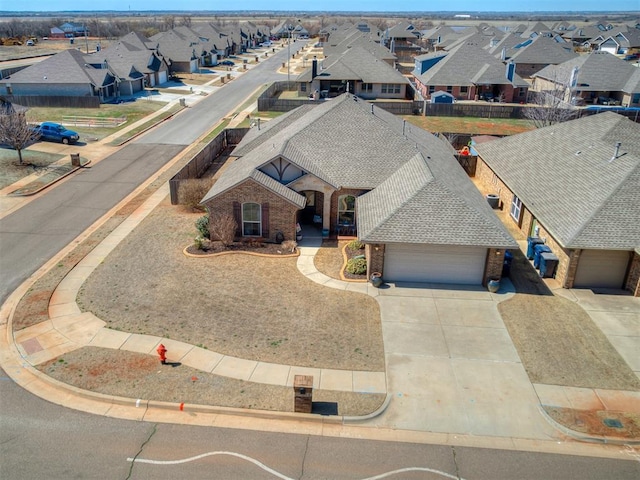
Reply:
x=585, y=437
x=47, y=185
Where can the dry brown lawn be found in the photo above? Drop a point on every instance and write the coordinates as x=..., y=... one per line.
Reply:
x=559, y=344
x=134, y=375
x=250, y=307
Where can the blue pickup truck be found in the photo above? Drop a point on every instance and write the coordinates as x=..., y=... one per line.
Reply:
x=54, y=132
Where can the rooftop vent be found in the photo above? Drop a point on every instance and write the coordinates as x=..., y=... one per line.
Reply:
x=616, y=152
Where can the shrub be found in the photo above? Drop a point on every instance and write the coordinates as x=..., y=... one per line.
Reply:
x=355, y=245
x=192, y=191
x=357, y=266
x=290, y=245
x=223, y=227
x=202, y=224
x=253, y=242
x=199, y=242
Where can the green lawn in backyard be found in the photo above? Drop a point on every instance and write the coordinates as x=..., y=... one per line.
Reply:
x=471, y=125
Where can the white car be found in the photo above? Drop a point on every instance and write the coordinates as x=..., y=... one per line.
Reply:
x=266, y=44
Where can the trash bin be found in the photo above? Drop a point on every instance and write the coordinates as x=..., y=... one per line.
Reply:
x=506, y=266
x=303, y=393
x=539, y=250
x=325, y=233
x=531, y=243
x=548, y=264
x=494, y=200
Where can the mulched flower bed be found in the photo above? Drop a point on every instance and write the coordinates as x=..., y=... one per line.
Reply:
x=352, y=253
x=263, y=248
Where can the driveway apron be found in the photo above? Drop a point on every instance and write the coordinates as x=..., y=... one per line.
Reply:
x=451, y=365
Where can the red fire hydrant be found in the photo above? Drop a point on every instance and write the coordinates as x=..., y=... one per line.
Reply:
x=162, y=351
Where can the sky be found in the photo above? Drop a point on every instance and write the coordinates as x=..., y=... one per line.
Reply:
x=461, y=6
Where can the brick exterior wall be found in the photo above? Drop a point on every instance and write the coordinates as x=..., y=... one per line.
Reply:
x=493, y=265
x=334, y=204
x=282, y=213
x=374, y=253
x=633, y=279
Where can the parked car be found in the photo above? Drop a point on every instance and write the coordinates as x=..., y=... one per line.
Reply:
x=54, y=132
x=227, y=63
x=266, y=44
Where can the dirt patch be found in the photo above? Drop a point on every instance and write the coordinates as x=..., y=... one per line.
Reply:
x=257, y=308
x=559, y=344
x=593, y=422
x=258, y=248
x=471, y=125
x=134, y=375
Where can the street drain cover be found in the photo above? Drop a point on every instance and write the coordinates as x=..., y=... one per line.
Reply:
x=612, y=422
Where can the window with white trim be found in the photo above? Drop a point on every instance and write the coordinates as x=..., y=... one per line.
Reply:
x=464, y=89
x=516, y=208
x=251, y=220
x=390, y=88
x=432, y=88
x=346, y=210
x=367, y=87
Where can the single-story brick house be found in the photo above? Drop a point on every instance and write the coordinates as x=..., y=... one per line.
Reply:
x=577, y=185
x=357, y=170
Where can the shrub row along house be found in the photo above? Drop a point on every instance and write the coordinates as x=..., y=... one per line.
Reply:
x=358, y=170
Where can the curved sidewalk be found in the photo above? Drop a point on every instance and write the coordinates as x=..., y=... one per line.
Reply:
x=69, y=329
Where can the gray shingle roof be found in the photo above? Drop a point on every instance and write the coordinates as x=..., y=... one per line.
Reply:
x=67, y=67
x=469, y=64
x=356, y=64
x=543, y=51
x=599, y=72
x=564, y=174
x=415, y=180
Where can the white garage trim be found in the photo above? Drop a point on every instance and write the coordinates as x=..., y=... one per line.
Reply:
x=162, y=77
x=434, y=264
x=602, y=269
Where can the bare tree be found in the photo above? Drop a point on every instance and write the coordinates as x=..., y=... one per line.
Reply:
x=550, y=104
x=223, y=227
x=169, y=22
x=185, y=20
x=15, y=132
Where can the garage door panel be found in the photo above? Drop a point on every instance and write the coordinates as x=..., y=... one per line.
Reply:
x=434, y=264
x=601, y=269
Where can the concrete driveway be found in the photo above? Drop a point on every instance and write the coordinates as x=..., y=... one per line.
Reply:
x=451, y=365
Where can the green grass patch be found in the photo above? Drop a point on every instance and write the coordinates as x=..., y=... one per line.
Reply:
x=140, y=128
x=471, y=125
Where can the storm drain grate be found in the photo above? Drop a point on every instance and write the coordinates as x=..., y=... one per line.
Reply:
x=612, y=423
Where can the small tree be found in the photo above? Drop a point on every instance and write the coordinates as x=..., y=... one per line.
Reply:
x=15, y=132
x=223, y=227
x=550, y=103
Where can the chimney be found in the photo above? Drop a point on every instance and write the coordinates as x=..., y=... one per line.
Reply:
x=314, y=68
x=616, y=153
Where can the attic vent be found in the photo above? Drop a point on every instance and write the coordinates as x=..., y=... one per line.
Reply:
x=616, y=152
x=578, y=152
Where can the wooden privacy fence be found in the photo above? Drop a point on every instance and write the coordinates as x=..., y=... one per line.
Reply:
x=204, y=159
x=54, y=101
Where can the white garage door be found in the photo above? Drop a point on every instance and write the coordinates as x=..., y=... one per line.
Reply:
x=601, y=269
x=162, y=77
x=434, y=264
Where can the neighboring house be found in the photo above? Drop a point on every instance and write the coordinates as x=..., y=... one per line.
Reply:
x=358, y=170
x=182, y=55
x=355, y=71
x=468, y=72
x=289, y=28
x=364, y=41
x=56, y=32
x=532, y=55
x=621, y=43
x=434, y=36
x=402, y=39
x=599, y=75
x=576, y=184
x=66, y=74
x=223, y=45
x=135, y=67
x=72, y=29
